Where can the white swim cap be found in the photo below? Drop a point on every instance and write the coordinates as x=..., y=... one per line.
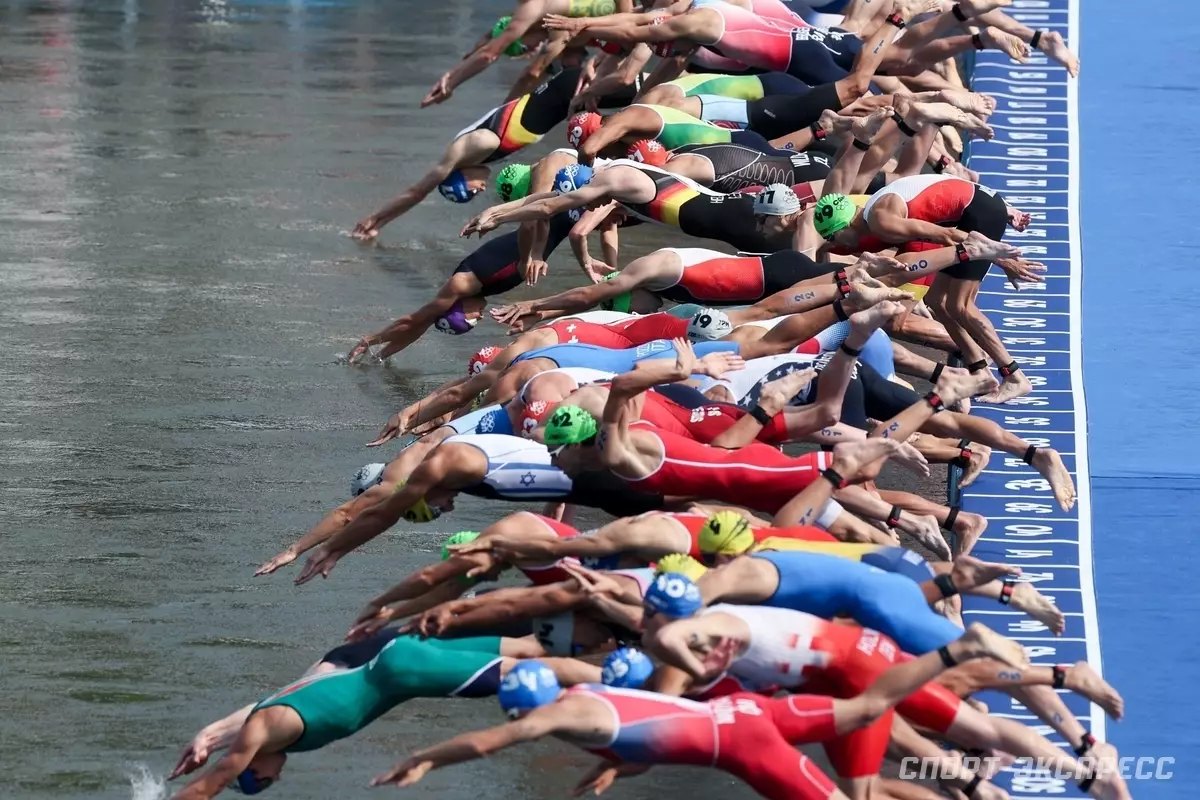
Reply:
x=365, y=478
x=777, y=200
x=708, y=324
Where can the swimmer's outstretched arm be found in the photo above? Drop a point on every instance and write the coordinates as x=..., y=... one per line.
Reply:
x=253, y=737
x=211, y=738
x=502, y=605
x=540, y=208
x=572, y=301
x=560, y=716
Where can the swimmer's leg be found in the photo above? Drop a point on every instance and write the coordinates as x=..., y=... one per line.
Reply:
x=966, y=526
x=984, y=674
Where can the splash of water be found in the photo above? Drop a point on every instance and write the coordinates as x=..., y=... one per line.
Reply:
x=144, y=784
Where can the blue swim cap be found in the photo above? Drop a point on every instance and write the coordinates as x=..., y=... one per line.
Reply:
x=627, y=668
x=249, y=783
x=528, y=685
x=674, y=595
x=455, y=188
x=571, y=177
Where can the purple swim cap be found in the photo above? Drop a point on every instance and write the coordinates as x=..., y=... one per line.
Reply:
x=455, y=321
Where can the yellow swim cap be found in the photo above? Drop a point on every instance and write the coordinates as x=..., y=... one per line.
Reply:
x=727, y=533
x=419, y=511
x=683, y=564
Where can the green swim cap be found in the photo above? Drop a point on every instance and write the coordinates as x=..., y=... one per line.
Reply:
x=622, y=302
x=570, y=425
x=513, y=182
x=832, y=213
x=516, y=48
x=462, y=537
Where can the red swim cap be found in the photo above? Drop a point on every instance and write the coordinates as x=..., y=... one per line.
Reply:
x=648, y=151
x=581, y=126
x=483, y=356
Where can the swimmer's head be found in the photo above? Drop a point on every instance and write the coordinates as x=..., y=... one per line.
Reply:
x=726, y=533
x=263, y=771
x=708, y=324
x=366, y=477
x=528, y=685
x=681, y=563
x=512, y=182
x=833, y=213
x=463, y=184
x=536, y=413
x=672, y=595
x=775, y=207
x=462, y=317
x=516, y=48
x=483, y=356
x=570, y=425
x=648, y=151
x=581, y=126
x=420, y=511
x=462, y=537
x=626, y=668
x=571, y=177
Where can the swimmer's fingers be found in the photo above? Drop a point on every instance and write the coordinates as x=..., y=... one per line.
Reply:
x=281, y=560
x=391, y=429
x=537, y=271
x=406, y=773
x=597, y=779
x=192, y=759
x=320, y=563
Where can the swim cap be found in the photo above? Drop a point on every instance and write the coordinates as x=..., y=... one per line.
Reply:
x=833, y=212
x=528, y=685
x=462, y=537
x=419, y=511
x=454, y=321
x=366, y=477
x=681, y=563
x=673, y=595
x=249, y=783
x=483, y=356
x=776, y=200
x=726, y=533
x=535, y=414
x=581, y=126
x=621, y=303
x=648, y=151
x=516, y=48
x=571, y=177
x=626, y=668
x=708, y=324
x=570, y=425
x=512, y=183
x=455, y=188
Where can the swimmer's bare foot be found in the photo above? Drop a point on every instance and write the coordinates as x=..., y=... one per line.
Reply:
x=969, y=572
x=982, y=105
x=982, y=642
x=1015, y=385
x=951, y=611
x=950, y=141
x=954, y=386
x=864, y=295
x=865, y=128
x=973, y=8
x=946, y=114
x=996, y=39
x=927, y=532
x=1052, y=45
x=849, y=458
x=959, y=170
x=834, y=124
x=912, y=460
x=1028, y=599
x=907, y=9
x=1049, y=463
x=869, y=320
x=1108, y=784
x=968, y=528
x=980, y=456
x=1083, y=679
x=776, y=395
x=980, y=247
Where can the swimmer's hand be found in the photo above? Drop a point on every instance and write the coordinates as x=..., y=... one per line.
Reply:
x=715, y=365
x=440, y=92
x=282, y=560
x=406, y=773
x=431, y=623
x=320, y=563
x=480, y=224
x=600, y=777
x=557, y=22
x=195, y=756
x=534, y=271
x=366, y=229
x=370, y=622
x=1020, y=270
x=1018, y=219
x=509, y=314
x=395, y=426
x=592, y=582
x=359, y=350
